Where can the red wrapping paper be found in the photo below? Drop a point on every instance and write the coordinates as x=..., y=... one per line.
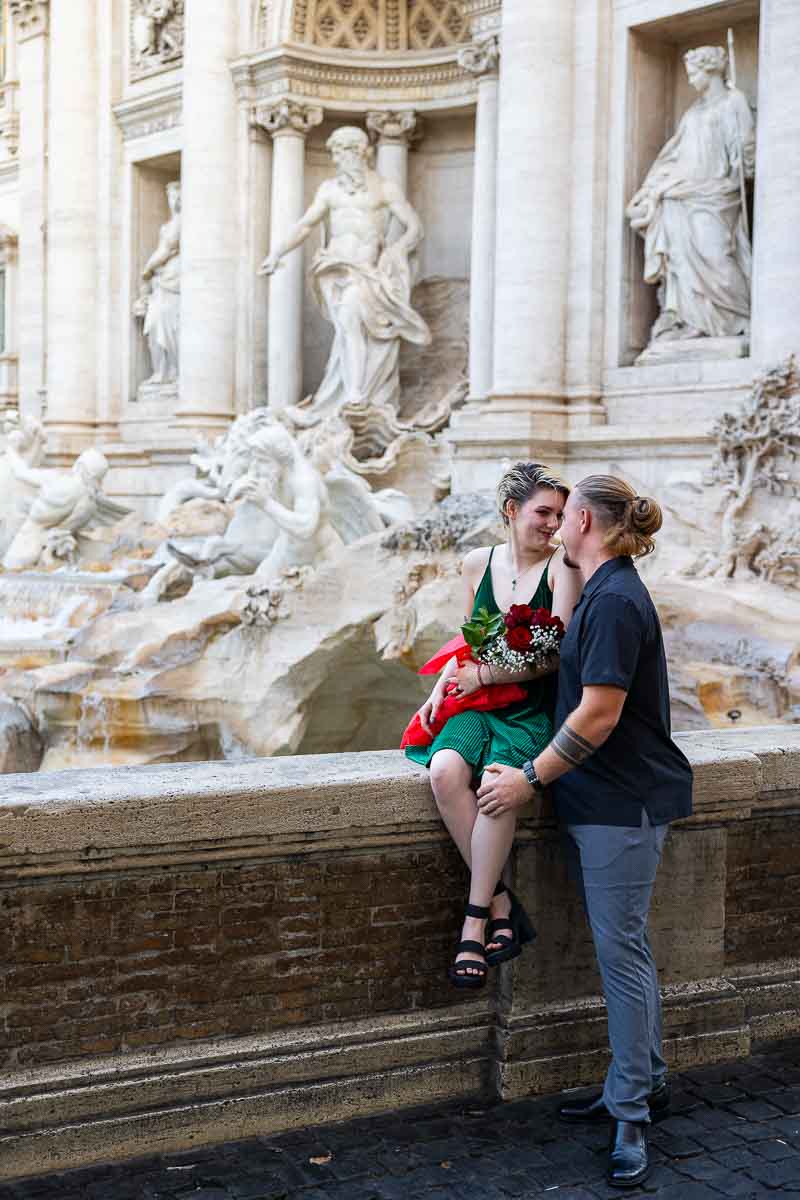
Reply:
x=498, y=695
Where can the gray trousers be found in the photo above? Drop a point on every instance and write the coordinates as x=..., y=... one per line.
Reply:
x=615, y=867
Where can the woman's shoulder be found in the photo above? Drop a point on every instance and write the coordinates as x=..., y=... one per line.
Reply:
x=475, y=562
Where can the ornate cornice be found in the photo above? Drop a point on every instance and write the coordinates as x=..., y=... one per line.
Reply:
x=287, y=116
x=30, y=18
x=484, y=16
x=149, y=114
x=343, y=81
x=481, y=56
x=399, y=128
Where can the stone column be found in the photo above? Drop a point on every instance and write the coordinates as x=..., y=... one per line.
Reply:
x=533, y=205
x=289, y=124
x=72, y=226
x=394, y=132
x=776, y=245
x=209, y=223
x=480, y=59
x=30, y=34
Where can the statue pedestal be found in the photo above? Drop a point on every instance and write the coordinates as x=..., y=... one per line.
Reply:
x=702, y=349
x=159, y=398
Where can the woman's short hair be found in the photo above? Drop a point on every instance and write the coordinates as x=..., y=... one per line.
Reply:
x=523, y=479
x=629, y=520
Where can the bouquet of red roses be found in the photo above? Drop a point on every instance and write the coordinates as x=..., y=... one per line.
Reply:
x=524, y=638
x=521, y=639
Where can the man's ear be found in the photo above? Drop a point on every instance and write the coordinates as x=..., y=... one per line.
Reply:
x=586, y=520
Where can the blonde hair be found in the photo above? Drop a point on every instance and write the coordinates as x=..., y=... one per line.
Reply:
x=630, y=520
x=521, y=481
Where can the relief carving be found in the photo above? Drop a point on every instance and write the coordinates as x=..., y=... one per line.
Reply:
x=757, y=451
x=157, y=28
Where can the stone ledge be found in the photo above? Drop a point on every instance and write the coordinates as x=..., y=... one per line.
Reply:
x=308, y=803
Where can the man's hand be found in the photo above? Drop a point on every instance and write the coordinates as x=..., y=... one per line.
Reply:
x=270, y=265
x=502, y=790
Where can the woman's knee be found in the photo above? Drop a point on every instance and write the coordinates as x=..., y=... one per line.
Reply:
x=449, y=773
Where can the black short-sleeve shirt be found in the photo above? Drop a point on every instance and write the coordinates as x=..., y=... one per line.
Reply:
x=614, y=638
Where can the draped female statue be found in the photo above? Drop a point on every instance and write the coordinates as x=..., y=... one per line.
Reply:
x=689, y=210
x=160, y=304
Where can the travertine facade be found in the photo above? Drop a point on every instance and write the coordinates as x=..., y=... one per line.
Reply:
x=563, y=231
x=526, y=200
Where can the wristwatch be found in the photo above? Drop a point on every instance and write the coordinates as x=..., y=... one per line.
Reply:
x=531, y=776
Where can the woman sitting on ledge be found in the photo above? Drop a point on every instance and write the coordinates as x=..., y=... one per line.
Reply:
x=527, y=569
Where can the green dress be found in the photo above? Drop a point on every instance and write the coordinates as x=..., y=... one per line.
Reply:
x=510, y=735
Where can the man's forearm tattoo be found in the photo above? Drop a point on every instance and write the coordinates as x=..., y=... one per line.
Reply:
x=570, y=746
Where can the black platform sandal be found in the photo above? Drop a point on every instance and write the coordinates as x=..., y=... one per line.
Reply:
x=457, y=974
x=521, y=928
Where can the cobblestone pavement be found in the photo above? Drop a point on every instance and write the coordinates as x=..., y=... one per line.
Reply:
x=734, y=1132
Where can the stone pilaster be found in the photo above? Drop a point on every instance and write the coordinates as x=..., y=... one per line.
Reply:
x=210, y=224
x=289, y=124
x=30, y=34
x=776, y=245
x=533, y=203
x=481, y=59
x=72, y=188
x=394, y=133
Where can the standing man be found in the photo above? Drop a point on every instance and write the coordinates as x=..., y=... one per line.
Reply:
x=617, y=780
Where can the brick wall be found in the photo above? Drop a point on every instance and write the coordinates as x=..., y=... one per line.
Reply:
x=763, y=889
x=129, y=961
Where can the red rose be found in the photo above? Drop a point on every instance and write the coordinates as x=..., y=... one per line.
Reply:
x=519, y=638
x=518, y=614
x=542, y=616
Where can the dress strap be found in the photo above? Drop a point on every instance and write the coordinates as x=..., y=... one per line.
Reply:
x=543, y=577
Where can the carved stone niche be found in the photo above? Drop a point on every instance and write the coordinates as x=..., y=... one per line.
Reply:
x=150, y=213
x=156, y=36
x=658, y=95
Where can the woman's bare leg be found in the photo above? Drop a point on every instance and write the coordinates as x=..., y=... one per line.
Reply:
x=451, y=780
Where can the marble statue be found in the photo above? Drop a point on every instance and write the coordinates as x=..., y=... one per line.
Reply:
x=691, y=211
x=281, y=518
x=24, y=444
x=361, y=283
x=64, y=505
x=295, y=504
x=160, y=301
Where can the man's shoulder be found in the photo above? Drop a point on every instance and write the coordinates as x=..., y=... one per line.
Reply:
x=623, y=593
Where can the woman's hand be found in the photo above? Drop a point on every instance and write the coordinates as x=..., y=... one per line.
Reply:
x=427, y=714
x=466, y=679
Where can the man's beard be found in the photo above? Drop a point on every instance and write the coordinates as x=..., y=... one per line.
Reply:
x=568, y=562
x=352, y=176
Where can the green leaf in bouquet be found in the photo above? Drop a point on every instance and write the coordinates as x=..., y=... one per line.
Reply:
x=473, y=634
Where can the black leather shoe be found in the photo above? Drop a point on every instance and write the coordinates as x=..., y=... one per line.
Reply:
x=628, y=1161
x=593, y=1108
